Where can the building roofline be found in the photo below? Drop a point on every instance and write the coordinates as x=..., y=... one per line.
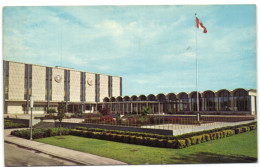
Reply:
x=61, y=67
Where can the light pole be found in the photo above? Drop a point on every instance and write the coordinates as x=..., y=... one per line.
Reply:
x=31, y=106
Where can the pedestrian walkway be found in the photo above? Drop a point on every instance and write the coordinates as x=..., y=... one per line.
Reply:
x=71, y=155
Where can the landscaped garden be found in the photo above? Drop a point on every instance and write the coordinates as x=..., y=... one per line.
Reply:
x=235, y=149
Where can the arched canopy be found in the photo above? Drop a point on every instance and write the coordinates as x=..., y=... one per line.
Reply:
x=223, y=92
x=126, y=98
x=183, y=95
x=112, y=99
x=239, y=92
x=134, y=98
x=161, y=97
x=194, y=94
x=142, y=97
x=151, y=97
x=208, y=94
x=106, y=99
x=171, y=96
x=119, y=98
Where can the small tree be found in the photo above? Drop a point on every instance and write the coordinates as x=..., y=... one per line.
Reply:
x=146, y=110
x=61, y=112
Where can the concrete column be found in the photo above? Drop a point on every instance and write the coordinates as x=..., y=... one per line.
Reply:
x=253, y=102
x=159, y=107
x=123, y=108
x=131, y=108
x=203, y=108
x=216, y=104
x=232, y=103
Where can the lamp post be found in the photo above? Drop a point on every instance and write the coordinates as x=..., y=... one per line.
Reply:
x=31, y=106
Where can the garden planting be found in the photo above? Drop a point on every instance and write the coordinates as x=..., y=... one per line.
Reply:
x=8, y=124
x=147, y=139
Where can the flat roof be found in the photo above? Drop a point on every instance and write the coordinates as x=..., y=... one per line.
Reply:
x=61, y=67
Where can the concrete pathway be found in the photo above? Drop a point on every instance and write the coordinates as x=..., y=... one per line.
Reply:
x=179, y=129
x=71, y=155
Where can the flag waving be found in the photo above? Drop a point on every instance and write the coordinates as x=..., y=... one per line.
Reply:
x=200, y=25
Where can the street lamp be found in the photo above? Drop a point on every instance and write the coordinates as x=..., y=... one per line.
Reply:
x=31, y=106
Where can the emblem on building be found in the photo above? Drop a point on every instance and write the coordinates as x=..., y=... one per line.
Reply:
x=90, y=82
x=58, y=78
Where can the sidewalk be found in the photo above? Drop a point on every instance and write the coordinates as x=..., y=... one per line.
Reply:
x=71, y=155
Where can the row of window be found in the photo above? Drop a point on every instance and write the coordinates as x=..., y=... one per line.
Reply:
x=48, y=84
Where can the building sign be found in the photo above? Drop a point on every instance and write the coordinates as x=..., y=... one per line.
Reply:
x=90, y=82
x=58, y=78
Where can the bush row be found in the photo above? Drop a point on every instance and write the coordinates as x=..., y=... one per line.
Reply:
x=168, y=137
x=40, y=133
x=148, y=141
x=135, y=138
x=8, y=124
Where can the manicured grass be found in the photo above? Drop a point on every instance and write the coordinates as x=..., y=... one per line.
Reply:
x=238, y=148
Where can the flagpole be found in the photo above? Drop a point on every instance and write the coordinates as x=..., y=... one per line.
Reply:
x=197, y=80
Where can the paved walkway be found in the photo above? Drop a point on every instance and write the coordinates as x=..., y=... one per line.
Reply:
x=179, y=129
x=71, y=155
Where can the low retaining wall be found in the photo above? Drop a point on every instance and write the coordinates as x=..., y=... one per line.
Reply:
x=111, y=127
x=21, y=121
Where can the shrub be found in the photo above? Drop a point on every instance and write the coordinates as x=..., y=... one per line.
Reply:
x=245, y=128
x=238, y=130
x=187, y=141
x=213, y=136
x=140, y=140
x=8, y=124
x=202, y=139
x=51, y=111
x=207, y=137
x=41, y=133
x=147, y=141
x=181, y=144
x=162, y=142
x=126, y=138
x=132, y=139
x=193, y=140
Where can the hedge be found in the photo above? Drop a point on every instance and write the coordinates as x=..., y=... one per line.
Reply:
x=135, y=137
x=40, y=133
x=158, y=140
x=8, y=124
x=252, y=126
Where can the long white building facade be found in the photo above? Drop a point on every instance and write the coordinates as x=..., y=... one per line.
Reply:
x=50, y=85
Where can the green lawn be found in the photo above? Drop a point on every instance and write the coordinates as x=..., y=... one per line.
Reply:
x=237, y=148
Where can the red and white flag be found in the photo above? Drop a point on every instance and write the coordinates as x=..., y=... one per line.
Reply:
x=200, y=25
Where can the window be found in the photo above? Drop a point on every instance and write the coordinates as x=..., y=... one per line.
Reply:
x=6, y=78
x=48, y=84
x=110, y=82
x=97, y=87
x=66, y=85
x=27, y=82
x=241, y=100
x=194, y=102
x=82, y=86
x=209, y=99
x=224, y=101
x=184, y=102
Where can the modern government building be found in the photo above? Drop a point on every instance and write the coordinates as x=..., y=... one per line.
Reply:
x=90, y=91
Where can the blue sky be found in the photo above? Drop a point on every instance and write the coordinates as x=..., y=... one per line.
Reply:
x=152, y=47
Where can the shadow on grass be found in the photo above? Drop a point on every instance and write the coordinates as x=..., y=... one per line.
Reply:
x=206, y=157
